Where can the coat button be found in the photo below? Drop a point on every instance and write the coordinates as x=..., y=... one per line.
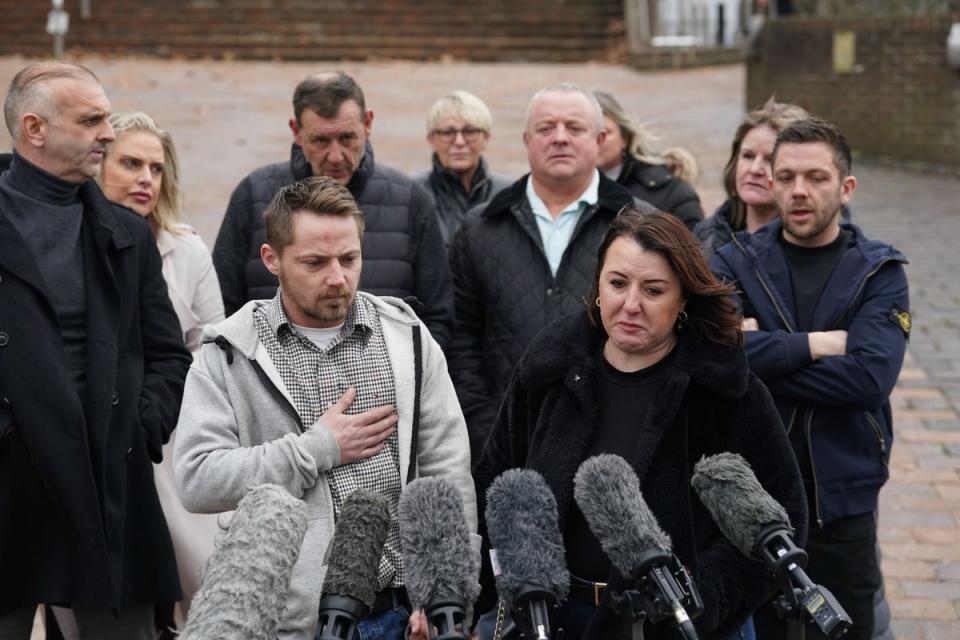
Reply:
x=5, y=402
x=129, y=453
x=576, y=377
x=4, y=339
x=115, y=399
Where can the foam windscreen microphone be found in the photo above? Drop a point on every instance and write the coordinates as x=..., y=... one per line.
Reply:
x=350, y=584
x=531, y=570
x=245, y=582
x=607, y=491
x=758, y=526
x=439, y=564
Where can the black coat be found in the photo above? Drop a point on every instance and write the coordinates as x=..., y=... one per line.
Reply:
x=403, y=251
x=655, y=184
x=709, y=403
x=453, y=202
x=505, y=293
x=79, y=516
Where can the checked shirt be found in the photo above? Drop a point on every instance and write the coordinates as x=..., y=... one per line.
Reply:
x=315, y=379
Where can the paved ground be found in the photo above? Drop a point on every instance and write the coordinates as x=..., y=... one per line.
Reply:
x=228, y=118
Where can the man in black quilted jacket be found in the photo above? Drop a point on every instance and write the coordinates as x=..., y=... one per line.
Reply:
x=403, y=251
x=528, y=256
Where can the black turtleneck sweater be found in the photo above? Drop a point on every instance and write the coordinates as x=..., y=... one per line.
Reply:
x=48, y=213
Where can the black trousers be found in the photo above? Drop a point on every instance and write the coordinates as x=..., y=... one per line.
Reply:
x=844, y=559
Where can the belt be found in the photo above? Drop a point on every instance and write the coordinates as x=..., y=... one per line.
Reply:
x=389, y=599
x=586, y=591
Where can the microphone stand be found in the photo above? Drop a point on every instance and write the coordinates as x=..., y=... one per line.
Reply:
x=666, y=590
x=801, y=600
x=533, y=614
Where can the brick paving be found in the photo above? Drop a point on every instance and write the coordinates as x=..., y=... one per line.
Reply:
x=230, y=117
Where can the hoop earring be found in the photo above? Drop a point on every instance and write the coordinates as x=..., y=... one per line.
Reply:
x=682, y=318
x=598, y=301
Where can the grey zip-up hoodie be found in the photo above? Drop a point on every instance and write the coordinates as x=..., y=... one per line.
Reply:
x=234, y=434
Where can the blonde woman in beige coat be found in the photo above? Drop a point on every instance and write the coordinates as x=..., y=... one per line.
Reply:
x=140, y=172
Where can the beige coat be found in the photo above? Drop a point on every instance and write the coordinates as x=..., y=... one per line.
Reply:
x=195, y=293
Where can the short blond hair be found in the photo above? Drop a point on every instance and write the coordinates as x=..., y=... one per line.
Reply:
x=166, y=215
x=463, y=105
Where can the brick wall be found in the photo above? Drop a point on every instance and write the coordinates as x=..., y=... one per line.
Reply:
x=481, y=30
x=900, y=100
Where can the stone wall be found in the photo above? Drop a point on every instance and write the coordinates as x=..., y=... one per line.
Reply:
x=883, y=80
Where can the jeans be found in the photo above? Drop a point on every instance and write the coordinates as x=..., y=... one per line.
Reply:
x=389, y=625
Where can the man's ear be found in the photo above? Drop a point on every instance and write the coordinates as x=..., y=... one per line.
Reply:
x=271, y=259
x=295, y=128
x=33, y=130
x=847, y=187
x=368, y=122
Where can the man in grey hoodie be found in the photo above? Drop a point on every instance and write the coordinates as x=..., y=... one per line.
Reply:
x=312, y=391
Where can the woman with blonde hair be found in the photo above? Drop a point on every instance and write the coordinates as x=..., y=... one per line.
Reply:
x=662, y=179
x=746, y=176
x=140, y=171
x=458, y=128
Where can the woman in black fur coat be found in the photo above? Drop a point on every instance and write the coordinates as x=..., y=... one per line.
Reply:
x=655, y=373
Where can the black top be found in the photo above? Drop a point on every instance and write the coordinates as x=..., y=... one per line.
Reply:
x=47, y=212
x=622, y=403
x=810, y=269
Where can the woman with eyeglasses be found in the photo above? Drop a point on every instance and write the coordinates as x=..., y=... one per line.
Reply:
x=458, y=128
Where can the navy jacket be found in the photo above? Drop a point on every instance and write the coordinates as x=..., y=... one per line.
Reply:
x=842, y=403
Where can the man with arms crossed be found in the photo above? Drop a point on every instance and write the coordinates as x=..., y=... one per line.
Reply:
x=827, y=316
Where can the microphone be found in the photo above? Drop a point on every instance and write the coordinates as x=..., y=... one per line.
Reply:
x=350, y=584
x=439, y=564
x=528, y=553
x=758, y=526
x=608, y=493
x=245, y=581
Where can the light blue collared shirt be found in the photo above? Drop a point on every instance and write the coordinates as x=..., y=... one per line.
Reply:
x=556, y=232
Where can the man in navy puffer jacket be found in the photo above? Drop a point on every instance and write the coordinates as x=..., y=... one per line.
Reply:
x=403, y=251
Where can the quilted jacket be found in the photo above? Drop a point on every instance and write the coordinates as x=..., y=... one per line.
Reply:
x=505, y=293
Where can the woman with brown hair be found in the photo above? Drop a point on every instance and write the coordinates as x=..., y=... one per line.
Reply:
x=654, y=372
x=746, y=176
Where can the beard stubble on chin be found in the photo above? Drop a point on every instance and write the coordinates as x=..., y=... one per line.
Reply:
x=331, y=306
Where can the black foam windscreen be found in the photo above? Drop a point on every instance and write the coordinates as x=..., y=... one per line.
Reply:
x=357, y=545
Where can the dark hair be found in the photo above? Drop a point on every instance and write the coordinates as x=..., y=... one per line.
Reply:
x=712, y=313
x=773, y=114
x=318, y=195
x=817, y=130
x=323, y=93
